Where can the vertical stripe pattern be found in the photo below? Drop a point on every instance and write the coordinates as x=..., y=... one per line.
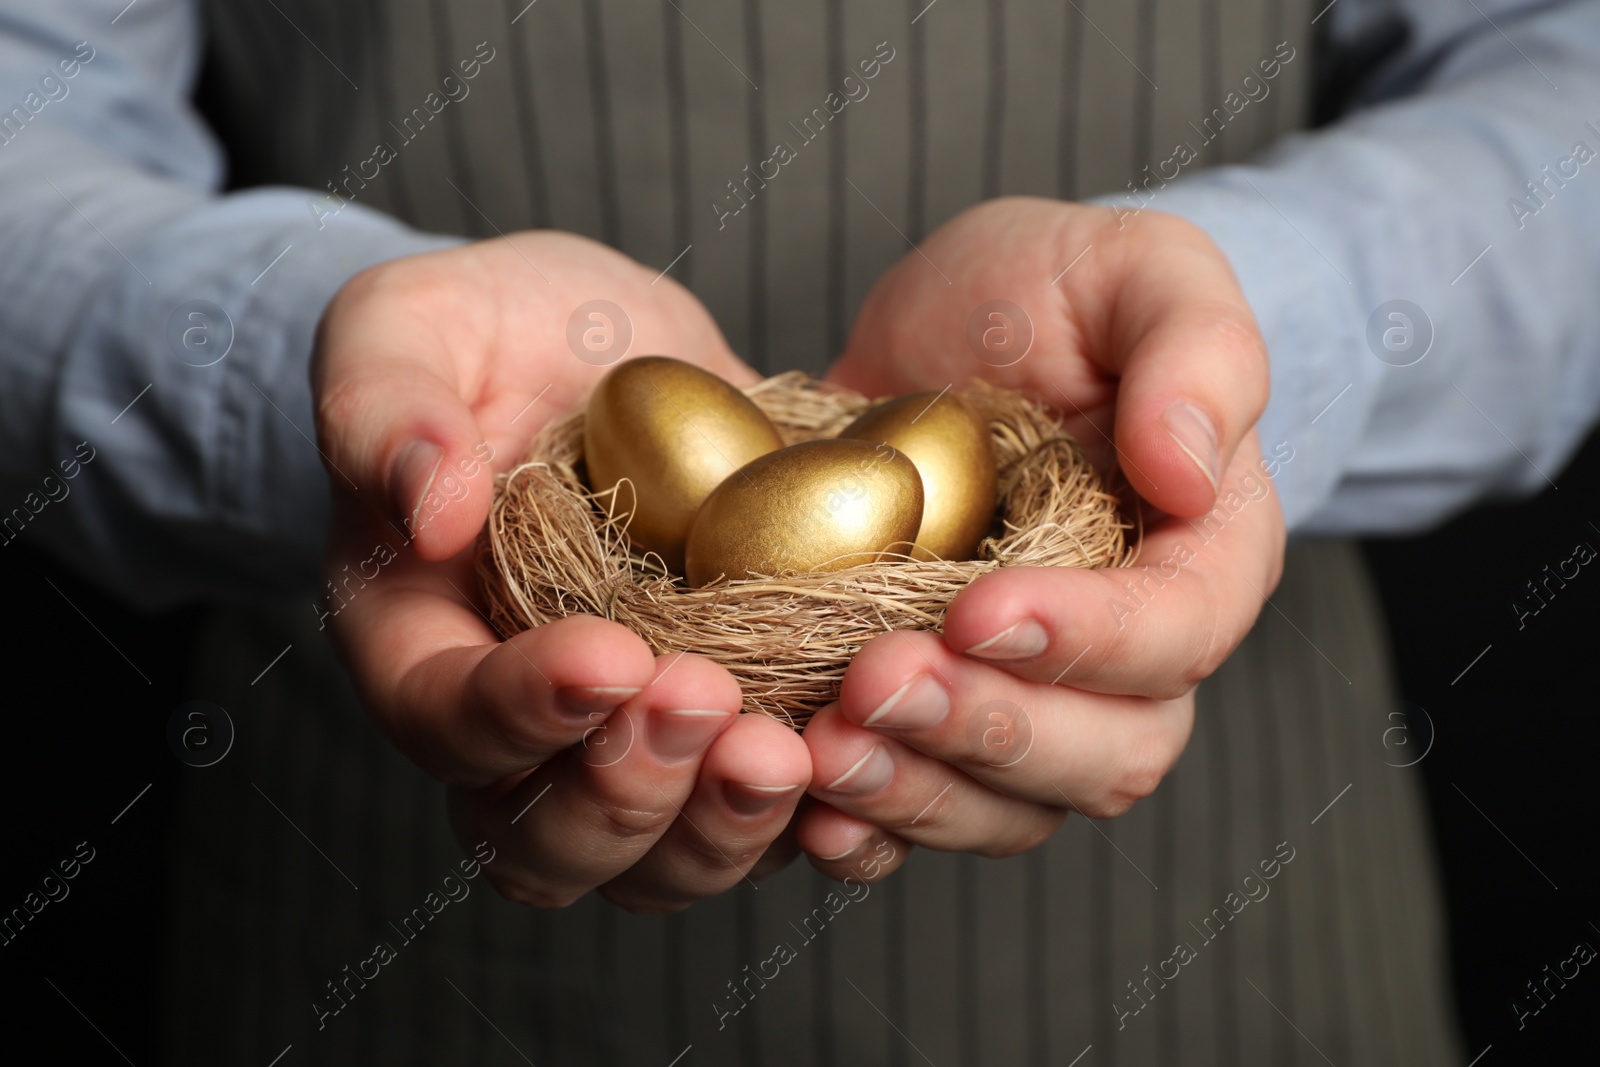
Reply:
x=639, y=124
x=650, y=126
x=1021, y=961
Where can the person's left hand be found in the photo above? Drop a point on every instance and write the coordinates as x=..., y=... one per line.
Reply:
x=1053, y=690
x=432, y=373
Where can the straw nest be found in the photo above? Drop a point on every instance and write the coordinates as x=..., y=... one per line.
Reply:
x=552, y=549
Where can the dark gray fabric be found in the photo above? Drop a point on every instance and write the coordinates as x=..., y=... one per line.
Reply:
x=955, y=961
x=626, y=121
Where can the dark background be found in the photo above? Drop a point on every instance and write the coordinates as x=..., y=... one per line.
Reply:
x=1517, y=733
x=84, y=735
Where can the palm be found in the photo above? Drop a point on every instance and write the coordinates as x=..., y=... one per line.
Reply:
x=1109, y=310
x=1141, y=337
x=491, y=319
x=501, y=310
x=991, y=256
x=432, y=373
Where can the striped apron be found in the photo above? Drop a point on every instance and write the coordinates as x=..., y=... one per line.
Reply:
x=1136, y=941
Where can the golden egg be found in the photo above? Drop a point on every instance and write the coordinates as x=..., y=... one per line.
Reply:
x=674, y=432
x=952, y=451
x=818, y=505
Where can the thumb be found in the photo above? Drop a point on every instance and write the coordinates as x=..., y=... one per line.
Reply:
x=394, y=429
x=1193, y=370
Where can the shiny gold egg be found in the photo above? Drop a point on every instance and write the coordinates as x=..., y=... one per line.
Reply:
x=952, y=451
x=674, y=432
x=818, y=505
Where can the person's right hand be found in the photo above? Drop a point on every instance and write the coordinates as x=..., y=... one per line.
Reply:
x=581, y=758
x=1151, y=354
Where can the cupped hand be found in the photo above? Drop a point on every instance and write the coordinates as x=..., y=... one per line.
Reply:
x=582, y=759
x=1057, y=690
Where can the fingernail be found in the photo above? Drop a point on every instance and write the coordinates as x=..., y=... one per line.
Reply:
x=679, y=734
x=871, y=773
x=917, y=705
x=756, y=799
x=1020, y=640
x=1191, y=428
x=410, y=478
x=584, y=700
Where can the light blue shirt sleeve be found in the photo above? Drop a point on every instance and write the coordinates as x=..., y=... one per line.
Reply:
x=1470, y=191
x=205, y=479
x=125, y=277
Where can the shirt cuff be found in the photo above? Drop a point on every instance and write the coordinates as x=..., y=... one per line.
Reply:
x=190, y=380
x=1305, y=312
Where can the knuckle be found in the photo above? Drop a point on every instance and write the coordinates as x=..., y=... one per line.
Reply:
x=618, y=820
x=1112, y=806
x=1039, y=830
x=1231, y=325
x=505, y=731
x=714, y=858
x=519, y=733
x=1147, y=764
x=539, y=895
x=1233, y=331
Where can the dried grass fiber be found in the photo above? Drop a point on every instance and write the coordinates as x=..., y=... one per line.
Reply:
x=553, y=549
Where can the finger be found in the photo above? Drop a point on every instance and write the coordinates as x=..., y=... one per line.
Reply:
x=842, y=846
x=592, y=812
x=1155, y=629
x=1193, y=366
x=749, y=784
x=470, y=712
x=392, y=420
x=924, y=800
x=1047, y=744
